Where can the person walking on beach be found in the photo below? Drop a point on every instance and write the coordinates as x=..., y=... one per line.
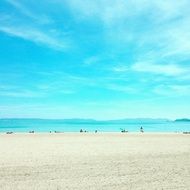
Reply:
x=141, y=130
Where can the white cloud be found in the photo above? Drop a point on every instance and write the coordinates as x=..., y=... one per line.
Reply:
x=108, y=11
x=164, y=69
x=27, y=23
x=172, y=90
x=165, y=26
x=91, y=60
x=41, y=18
x=121, y=68
x=111, y=11
x=21, y=94
x=123, y=88
x=34, y=35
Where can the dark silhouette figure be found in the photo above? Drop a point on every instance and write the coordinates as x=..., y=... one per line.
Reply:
x=123, y=131
x=9, y=132
x=141, y=130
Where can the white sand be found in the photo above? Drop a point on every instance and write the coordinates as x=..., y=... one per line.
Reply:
x=94, y=161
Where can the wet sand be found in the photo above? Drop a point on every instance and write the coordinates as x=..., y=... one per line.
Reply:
x=94, y=161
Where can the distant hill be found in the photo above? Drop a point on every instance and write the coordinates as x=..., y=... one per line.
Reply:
x=138, y=120
x=89, y=121
x=182, y=120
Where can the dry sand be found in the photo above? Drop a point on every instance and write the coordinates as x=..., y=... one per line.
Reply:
x=94, y=161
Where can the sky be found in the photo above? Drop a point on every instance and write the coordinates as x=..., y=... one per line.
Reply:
x=101, y=59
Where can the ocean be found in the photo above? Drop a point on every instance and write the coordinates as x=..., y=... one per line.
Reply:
x=43, y=125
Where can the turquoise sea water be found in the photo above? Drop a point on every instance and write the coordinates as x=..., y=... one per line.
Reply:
x=25, y=125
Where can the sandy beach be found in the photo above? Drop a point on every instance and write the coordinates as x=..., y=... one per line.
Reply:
x=94, y=161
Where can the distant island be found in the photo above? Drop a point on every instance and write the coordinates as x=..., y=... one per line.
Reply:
x=182, y=120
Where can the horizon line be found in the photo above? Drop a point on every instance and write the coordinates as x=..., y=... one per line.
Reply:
x=35, y=118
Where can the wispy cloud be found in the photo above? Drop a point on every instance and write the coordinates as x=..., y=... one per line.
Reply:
x=36, y=27
x=107, y=11
x=123, y=88
x=91, y=60
x=111, y=12
x=21, y=94
x=164, y=25
x=56, y=88
x=172, y=90
x=41, y=18
x=164, y=69
x=121, y=68
x=34, y=35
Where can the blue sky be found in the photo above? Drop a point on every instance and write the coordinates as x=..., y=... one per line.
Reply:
x=102, y=59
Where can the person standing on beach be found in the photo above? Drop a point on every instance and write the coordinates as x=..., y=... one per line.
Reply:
x=141, y=130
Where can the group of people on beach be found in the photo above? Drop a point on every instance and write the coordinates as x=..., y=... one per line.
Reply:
x=125, y=131
x=84, y=131
x=122, y=130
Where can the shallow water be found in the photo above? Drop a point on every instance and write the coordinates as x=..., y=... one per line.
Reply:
x=25, y=125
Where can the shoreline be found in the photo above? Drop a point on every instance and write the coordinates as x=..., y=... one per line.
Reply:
x=93, y=133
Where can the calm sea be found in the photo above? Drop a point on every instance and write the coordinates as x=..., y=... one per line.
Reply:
x=25, y=125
